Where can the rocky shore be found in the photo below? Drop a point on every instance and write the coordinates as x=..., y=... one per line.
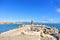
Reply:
x=31, y=32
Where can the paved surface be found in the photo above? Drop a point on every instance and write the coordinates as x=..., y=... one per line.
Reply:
x=20, y=37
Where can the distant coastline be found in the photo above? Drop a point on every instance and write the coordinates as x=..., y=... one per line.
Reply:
x=10, y=22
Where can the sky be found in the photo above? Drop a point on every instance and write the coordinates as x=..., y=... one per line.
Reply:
x=46, y=11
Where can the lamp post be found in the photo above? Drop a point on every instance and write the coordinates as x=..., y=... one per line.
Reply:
x=32, y=23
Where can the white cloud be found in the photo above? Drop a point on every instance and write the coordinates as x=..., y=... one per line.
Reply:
x=58, y=10
x=50, y=21
x=44, y=21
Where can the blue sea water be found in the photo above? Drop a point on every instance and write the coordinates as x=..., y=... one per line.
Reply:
x=6, y=27
x=56, y=25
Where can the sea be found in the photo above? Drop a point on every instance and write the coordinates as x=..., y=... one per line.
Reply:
x=7, y=27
